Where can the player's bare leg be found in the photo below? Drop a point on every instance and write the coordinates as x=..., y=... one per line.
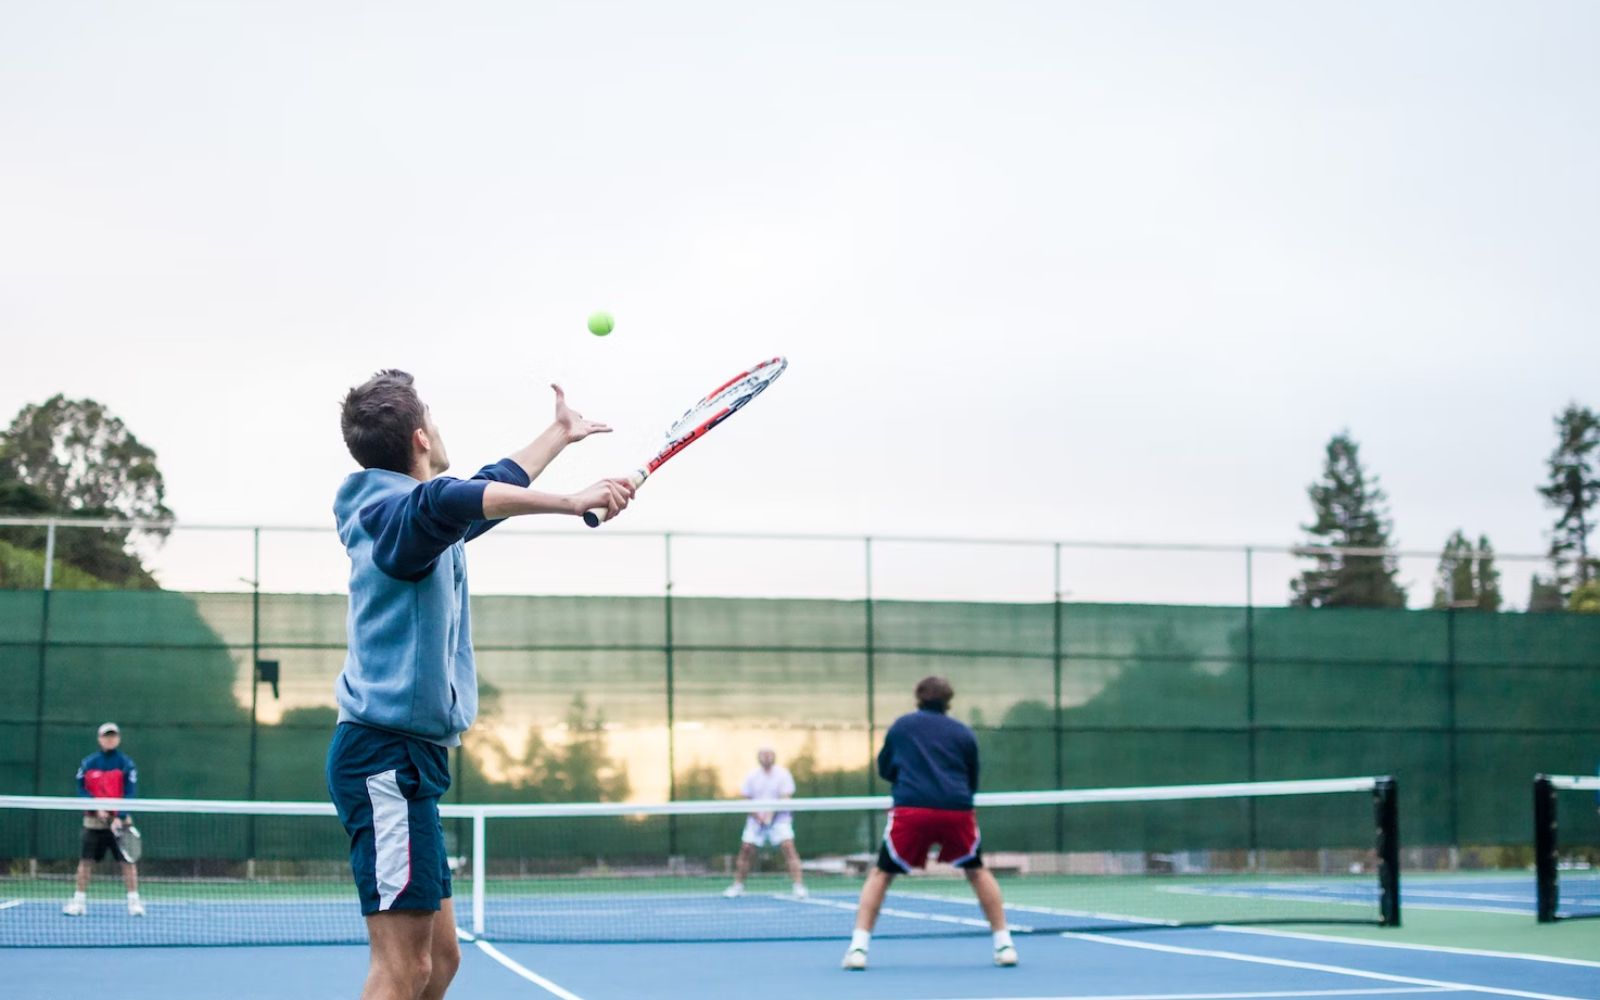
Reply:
x=402, y=955
x=78, y=905
x=791, y=857
x=445, y=954
x=741, y=867
x=741, y=870
x=872, y=893
x=130, y=879
x=987, y=890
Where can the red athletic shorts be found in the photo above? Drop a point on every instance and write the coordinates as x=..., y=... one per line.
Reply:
x=911, y=830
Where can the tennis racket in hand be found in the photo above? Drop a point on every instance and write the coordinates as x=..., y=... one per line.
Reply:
x=722, y=403
x=130, y=846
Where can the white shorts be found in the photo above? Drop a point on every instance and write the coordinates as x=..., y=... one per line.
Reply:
x=770, y=836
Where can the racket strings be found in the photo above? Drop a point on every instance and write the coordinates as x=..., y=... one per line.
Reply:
x=730, y=396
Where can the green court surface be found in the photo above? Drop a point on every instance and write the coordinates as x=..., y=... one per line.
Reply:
x=1499, y=932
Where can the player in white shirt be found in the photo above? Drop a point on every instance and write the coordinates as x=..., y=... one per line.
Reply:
x=765, y=829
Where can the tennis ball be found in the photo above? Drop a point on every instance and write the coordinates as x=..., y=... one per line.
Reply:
x=600, y=324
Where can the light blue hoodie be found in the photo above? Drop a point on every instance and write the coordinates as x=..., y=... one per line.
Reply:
x=409, y=668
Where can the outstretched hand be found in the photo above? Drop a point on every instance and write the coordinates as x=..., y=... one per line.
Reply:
x=572, y=423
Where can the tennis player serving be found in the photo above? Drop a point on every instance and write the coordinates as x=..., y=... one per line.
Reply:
x=409, y=687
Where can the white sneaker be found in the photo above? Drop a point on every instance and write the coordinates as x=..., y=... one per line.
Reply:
x=855, y=960
x=800, y=892
x=733, y=891
x=135, y=908
x=1005, y=956
x=75, y=908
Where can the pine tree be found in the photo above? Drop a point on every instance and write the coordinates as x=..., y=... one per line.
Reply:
x=1544, y=595
x=1574, y=490
x=1488, y=574
x=1350, y=510
x=1467, y=578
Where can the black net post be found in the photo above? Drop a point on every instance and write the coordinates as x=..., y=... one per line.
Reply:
x=1545, y=848
x=1386, y=811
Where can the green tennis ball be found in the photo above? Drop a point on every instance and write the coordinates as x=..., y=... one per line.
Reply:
x=601, y=324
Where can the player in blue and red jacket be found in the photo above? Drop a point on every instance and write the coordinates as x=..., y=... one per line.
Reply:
x=106, y=774
x=931, y=760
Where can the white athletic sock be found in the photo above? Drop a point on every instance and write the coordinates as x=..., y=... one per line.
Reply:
x=860, y=939
x=79, y=897
x=134, y=894
x=1002, y=939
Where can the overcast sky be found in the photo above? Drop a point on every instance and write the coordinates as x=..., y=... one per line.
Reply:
x=1107, y=270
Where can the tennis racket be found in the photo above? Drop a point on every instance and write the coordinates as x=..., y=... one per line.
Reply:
x=722, y=403
x=130, y=846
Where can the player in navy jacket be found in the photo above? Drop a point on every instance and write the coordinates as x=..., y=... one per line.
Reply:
x=931, y=761
x=108, y=773
x=409, y=687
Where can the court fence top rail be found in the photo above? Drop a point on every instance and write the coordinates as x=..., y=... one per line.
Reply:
x=1224, y=574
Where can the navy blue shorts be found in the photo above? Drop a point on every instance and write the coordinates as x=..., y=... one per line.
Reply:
x=387, y=789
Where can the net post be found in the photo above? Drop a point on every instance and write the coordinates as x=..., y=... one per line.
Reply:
x=1545, y=848
x=49, y=553
x=479, y=889
x=1386, y=811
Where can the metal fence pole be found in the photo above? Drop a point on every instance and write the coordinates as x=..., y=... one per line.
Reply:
x=1251, y=750
x=49, y=554
x=871, y=667
x=1454, y=748
x=39, y=680
x=255, y=685
x=672, y=733
x=1057, y=734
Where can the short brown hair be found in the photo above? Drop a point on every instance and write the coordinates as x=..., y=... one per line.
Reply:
x=378, y=417
x=934, y=694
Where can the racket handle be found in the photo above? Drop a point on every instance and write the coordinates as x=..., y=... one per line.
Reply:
x=594, y=516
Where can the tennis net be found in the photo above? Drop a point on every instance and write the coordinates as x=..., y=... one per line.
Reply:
x=1566, y=854
x=216, y=873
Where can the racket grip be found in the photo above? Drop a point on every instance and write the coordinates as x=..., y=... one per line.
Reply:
x=594, y=516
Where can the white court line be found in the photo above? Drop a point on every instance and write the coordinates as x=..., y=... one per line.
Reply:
x=1447, y=949
x=1339, y=970
x=518, y=968
x=1380, y=991
x=1191, y=890
x=888, y=911
x=8, y=904
x=1056, y=912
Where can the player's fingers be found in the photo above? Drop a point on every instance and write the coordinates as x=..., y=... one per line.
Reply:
x=595, y=427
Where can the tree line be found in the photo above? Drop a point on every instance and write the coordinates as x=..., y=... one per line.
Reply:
x=73, y=458
x=1351, y=511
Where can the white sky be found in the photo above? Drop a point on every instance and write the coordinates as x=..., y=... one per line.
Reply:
x=1106, y=270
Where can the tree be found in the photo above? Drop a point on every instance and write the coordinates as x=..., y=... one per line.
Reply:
x=1467, y=578
x=1350, y=512
x=1586, y=598
x=1574, y=490
x=576, y=770
x=74, y=458
x=1544, y=595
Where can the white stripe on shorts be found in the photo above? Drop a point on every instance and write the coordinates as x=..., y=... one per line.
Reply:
x=391, y=827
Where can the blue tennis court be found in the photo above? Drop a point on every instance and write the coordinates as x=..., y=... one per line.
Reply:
x=1180, y=964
